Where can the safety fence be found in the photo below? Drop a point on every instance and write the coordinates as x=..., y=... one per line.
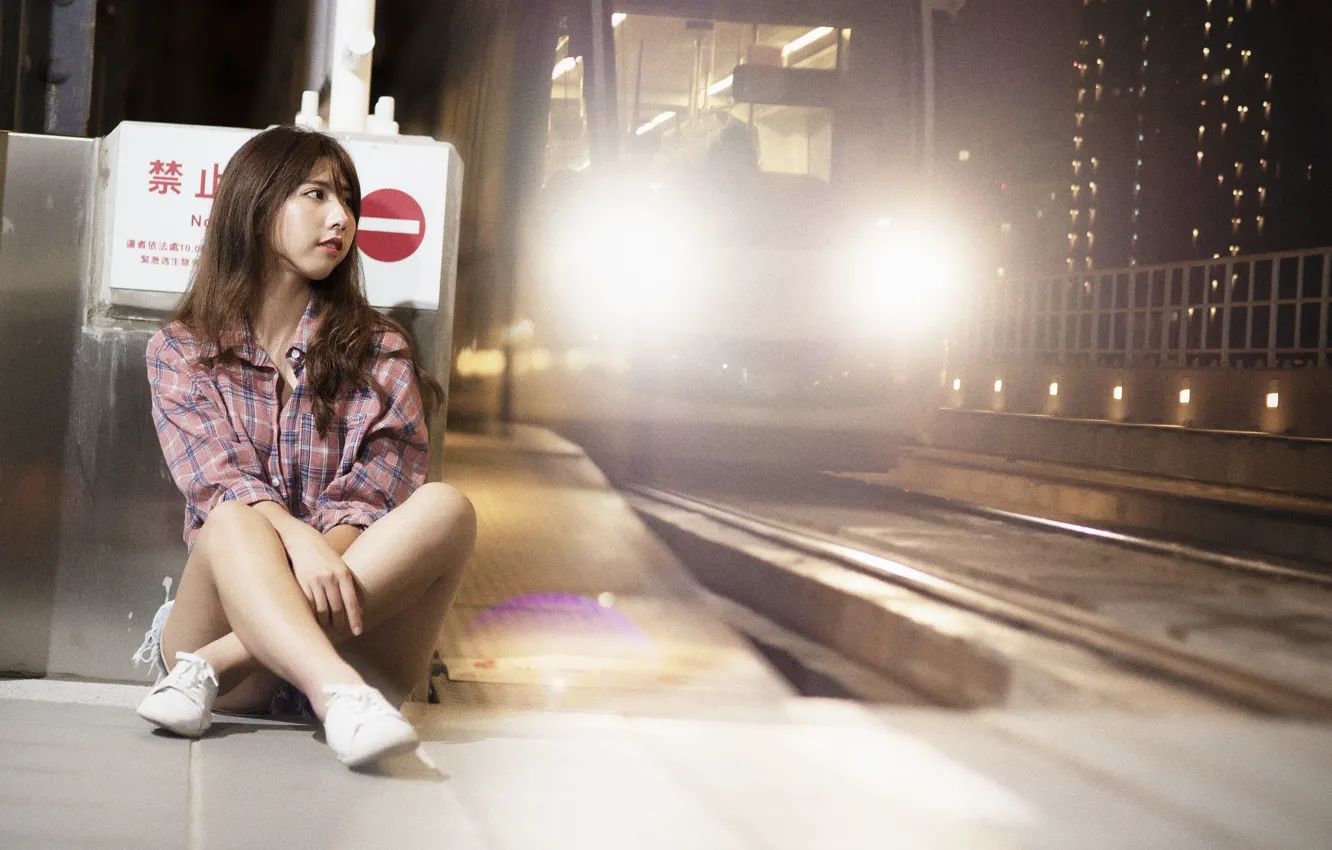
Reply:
x=1267, y=310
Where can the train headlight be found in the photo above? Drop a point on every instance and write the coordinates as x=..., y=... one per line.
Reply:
x=622, y=266
x=904, y=278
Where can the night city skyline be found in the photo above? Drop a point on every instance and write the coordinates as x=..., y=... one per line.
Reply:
x=1010, y=74
x=1195, y=133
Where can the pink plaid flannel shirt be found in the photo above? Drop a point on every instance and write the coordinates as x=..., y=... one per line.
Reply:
x=224, y=436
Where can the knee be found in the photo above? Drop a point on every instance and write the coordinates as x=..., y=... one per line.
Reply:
x=227, y=519
x=449, y=511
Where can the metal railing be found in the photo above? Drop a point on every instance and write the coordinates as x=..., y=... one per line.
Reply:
x=1259, y=310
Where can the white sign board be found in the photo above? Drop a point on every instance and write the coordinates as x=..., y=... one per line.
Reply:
x=160, y=188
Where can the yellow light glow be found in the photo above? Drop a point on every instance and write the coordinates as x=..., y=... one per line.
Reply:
x=1184, y=396
x=541, y=359
x=1273, y=400
x=957, y=384
x=1119, y=392
x=722, y=85
x=480, y=363
x=564, y=66
x=999, y=386
x=618, y=18
x=1054, y=388
x=805, y=40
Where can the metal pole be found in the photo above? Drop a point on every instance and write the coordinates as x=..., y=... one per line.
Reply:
x=599, y=85
x=1229, y=296
x=1272, y=313
x=927, y=10
x=321, y=35
x=634, y=120
x=927, y=38
x=1326, y=305
x=353, y=43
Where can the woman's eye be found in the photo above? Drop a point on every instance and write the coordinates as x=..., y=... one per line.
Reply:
x=317, y=194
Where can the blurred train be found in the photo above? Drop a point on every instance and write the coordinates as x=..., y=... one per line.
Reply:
x=714, y=245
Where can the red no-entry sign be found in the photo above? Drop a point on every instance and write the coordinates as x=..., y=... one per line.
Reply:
x=392, y=225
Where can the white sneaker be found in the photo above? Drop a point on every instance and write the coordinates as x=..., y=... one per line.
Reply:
x=183, y=700
x=361, y=727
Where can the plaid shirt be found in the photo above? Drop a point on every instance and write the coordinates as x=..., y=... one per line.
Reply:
x=224, y=436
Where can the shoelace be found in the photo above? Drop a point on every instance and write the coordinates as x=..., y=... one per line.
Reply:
x=147, y=652
x=365, y=700
x=192, y=674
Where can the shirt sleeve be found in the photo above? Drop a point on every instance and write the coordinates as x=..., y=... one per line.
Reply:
x=391, y=461
x=208, y=461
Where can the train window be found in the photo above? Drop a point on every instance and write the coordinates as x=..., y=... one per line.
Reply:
x=674, y=99
x=566, y=143
x=675, y=79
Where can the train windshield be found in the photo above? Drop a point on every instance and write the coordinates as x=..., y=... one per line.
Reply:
x=679, y=124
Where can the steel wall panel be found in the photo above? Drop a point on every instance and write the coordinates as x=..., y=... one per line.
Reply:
x=45, y=243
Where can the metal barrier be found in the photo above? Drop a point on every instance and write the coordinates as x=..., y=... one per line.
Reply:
x=1262, y=310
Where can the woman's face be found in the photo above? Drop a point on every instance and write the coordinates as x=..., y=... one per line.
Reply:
x=315, y=227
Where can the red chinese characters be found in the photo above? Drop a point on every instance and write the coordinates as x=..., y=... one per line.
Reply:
x=164, y=177
x=211, y=188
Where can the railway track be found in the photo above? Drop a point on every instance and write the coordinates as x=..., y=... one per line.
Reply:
x=1023, y=602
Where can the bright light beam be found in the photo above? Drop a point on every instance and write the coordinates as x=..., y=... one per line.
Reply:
x=805, y=40
x=564, y=66
x=721, y=85
x=655, y=123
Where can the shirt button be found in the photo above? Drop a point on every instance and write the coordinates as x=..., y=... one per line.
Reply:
x=277, y=482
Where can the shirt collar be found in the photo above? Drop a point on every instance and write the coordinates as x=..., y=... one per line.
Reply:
x=305, y=332
x=243, y=344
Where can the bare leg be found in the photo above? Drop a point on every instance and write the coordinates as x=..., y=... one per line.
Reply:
x=408, y=567
x=238, y=575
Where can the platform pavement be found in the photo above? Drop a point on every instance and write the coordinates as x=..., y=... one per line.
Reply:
x=79, y=769
x=664, y=730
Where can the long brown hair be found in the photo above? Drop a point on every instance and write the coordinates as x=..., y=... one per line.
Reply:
x=225, y=290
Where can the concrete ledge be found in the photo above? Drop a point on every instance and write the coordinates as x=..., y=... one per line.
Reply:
x=1254, y=521
x=947, y=655
x=1255, y=461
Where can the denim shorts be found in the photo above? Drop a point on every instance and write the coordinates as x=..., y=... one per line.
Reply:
x=287, y=701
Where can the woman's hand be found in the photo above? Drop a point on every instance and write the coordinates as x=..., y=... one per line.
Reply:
x=326, y=581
